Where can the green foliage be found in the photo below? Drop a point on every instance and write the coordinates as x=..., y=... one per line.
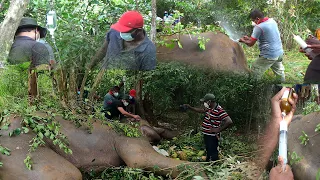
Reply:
x=202, y=42
x=5, y=151
x=304, y=138
x=181, y=84
x=130, y=130
x=46, y=127
x=318, y=175
x=28, y=162
x=15, y=132
x=123, y=173
x=317, y=128
x=294, y=158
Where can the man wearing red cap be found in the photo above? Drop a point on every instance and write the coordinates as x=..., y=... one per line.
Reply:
x=127, y=45
x=132, y=102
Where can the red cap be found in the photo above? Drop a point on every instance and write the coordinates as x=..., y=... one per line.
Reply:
x=132, y=93
x=128, y=21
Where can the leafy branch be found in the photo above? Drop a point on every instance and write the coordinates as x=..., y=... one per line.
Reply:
x=305, y=138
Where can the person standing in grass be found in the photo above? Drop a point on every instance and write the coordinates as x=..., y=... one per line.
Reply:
x=215, y=120
x=267, y=34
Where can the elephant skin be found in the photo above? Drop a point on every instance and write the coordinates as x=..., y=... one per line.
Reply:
x=46, y=163
x=220, y=53
x=101, y=149
x=308, y=167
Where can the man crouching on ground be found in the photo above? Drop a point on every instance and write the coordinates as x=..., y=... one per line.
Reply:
x=215, y=120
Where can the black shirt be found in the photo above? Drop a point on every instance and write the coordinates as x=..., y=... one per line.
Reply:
x=313, y=71
x=26, y=49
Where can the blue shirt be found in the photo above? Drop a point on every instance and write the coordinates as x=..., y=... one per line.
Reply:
x=268, y=36
x=142, y=57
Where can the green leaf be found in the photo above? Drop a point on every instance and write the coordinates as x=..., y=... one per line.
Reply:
x=40, y=135
x=17, y=131
x=317, y=128
x=180, y=45
x=10, y=133
x=318, y=175
x=5, y=127
x=51, y=136
x=47, y=133
x=25, y=130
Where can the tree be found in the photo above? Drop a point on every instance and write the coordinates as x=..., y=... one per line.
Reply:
x=10, y=24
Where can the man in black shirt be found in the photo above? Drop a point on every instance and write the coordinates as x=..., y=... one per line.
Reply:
x=313, y=71
x=27, y=48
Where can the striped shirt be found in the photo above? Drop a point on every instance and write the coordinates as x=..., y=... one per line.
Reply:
x=213, y=119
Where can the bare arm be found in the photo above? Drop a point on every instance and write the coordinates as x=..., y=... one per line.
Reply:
x=269, y=141
x=226, y=123
x=125, y=113
x=199, y=110
x=248, y=41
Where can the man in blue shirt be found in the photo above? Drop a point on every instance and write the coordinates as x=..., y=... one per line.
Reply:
x=267, y=34
x=128, y=46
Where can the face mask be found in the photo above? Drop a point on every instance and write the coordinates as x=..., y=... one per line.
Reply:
x=116, y=94
x=79, y=92
x=125, y=103
x=206, y=105
x=253, y=23
x=126, y=36
x=130, y=97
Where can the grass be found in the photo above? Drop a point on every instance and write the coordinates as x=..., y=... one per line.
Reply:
x=295, y=63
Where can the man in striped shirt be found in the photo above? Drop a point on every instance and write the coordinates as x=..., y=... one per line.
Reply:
x=215, y=120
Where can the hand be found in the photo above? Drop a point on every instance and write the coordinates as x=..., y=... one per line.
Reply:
x=137, y=117
x=187, y=105
x=215, y=130
x=275, y=107
x=277, y=172
x=314, y=44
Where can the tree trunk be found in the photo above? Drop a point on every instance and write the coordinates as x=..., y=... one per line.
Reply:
x=96, y=84
x=9, y=26
x=153, y=21
x=139, y=100
x=32, y=86
x=72, y=89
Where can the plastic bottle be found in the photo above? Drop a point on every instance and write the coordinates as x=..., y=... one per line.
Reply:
x=302, y=43
x=285, y=106
x=51, y=22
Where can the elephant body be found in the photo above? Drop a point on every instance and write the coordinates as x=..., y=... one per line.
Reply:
x=101, y=149
x=308, y=167
x=220, y=52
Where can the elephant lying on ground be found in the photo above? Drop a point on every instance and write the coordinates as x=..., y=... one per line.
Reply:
x=308, y=167
x=220, y=52
x=97, y=151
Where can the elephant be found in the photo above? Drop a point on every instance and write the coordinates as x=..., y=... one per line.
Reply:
x=309, y=165
x=96, y=151
x=221, y=53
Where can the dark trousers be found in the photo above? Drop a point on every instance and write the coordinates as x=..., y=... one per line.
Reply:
x=211, y=143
